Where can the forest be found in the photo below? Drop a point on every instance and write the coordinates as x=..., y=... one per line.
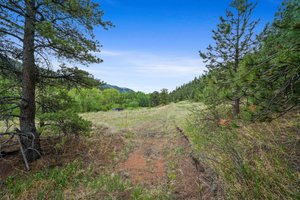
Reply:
x=230, y=133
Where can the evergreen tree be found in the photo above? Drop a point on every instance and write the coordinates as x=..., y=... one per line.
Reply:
x=234, y=38
x=33, y=30
x=190, y=91
x=154, y=99
x=272, y=74
x=164, y=97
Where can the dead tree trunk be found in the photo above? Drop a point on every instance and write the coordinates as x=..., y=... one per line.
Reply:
x=30, y=140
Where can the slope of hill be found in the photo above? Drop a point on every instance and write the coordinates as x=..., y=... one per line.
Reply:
x=120, y=89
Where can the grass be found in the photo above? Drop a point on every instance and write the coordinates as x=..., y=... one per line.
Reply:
x=84, y=180
x=138, y=118
x=247, y=161
x=74, y=182
x=251, y=160
x=42, y=183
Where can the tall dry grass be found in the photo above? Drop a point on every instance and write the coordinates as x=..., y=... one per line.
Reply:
x=250, y=160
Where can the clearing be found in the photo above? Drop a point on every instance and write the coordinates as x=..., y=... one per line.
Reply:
x=132, y=154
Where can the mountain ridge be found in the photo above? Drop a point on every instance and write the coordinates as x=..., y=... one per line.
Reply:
x=120, y=89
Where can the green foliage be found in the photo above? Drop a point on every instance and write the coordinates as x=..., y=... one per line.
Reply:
x=64, y=122
x=264, y=79
x=31, y=32
x=9, y=98
x=190, y=91
x=86, y=100
x=159, y=98
x=120, y=89
x=111, y=97
x=52, y=99
x=271, y=75
x=50, y=180
x=234, y=38
x=164, y=97
x=91, y=100
x=56, y=115
x=154, y=99
x=141, y=98
x=54, y=30
x=251, y=161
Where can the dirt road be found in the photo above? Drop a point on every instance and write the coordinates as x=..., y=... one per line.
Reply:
x=159, y=157
x=132, y=154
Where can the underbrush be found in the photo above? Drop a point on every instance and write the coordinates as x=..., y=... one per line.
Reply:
x=250, y=160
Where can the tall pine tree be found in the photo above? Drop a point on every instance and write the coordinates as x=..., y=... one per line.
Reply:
x=234, y=38
x=33, y=32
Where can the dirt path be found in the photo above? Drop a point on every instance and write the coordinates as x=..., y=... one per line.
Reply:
x=146, y=164
x=138, y=154
x=160, y=158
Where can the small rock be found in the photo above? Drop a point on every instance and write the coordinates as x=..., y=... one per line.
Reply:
x=126, y=175
x=148, y=152
x=151, y=134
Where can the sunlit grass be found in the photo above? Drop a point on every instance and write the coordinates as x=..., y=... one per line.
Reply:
x=134, y=119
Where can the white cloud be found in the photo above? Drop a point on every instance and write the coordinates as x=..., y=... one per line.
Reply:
x=109, y=53
x=141, y=63
x=145, y=71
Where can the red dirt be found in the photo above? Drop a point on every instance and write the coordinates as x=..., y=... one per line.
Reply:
x=141, y=171
x=145, y=165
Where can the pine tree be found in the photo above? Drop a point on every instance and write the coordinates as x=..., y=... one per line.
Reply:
x=272, y=74
x=234, y=38
x=154, y=99
x=32, y=31
x=164, y=96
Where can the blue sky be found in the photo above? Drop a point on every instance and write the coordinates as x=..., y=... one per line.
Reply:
x=155, y=43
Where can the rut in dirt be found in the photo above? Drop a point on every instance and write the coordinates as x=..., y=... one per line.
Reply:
x=146, y=165
x=149, y=165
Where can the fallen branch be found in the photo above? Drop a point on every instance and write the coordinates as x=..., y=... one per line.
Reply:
x=18, y=134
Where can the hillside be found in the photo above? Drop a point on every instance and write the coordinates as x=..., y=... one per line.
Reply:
x=120, y=89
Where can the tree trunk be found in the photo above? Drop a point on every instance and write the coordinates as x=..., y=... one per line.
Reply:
x=236, y=107
x=30, y=139
x=236, y=104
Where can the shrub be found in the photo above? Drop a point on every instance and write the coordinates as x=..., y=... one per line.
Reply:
x=65, y=122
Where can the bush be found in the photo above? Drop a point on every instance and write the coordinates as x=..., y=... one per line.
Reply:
x=65, y=122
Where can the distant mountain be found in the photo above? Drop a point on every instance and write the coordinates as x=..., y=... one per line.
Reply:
x=120, y=89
